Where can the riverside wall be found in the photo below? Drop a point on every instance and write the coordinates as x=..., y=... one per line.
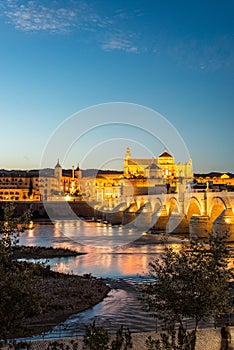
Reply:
x=56, y=209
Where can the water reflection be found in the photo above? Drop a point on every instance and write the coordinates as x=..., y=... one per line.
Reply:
x=96, y=234
x=125, y=260
x=113, y=265
x=120, y=265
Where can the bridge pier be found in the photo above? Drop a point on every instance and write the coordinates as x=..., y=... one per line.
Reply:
x=177, y=224
x=172, y=212
x=143, y=220
x=200, y=226
x=115, y=217
x=160, y=219
x=129, y=214
x=224, y=224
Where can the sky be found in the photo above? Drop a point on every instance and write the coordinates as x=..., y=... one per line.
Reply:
x=175, y=57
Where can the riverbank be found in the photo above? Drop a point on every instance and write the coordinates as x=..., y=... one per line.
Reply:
x=64, y=295
x=159, y=238
x=207, y=339
x=37, y=252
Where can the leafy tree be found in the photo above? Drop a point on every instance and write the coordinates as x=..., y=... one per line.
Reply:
x=181, y=340
x=192, y=283
x=17, y=299
x=97, y=338
x=10, y=229
x=123, y=340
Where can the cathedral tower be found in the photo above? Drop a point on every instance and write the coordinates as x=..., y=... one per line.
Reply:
x=126, y=159
x=58, y=173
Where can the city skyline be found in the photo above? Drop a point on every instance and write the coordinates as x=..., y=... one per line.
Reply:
x=60, y=57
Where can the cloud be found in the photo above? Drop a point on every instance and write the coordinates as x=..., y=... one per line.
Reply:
x=117, y=43
x=50, y=17
x=59, y=17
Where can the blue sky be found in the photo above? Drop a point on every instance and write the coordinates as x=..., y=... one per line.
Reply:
x=58, y=57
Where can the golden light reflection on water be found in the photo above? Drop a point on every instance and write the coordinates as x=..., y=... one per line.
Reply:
x=129, y=259
x=105, y=264
x=124, y=261
x=31, y=233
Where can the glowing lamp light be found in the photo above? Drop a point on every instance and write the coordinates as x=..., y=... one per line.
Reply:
x=67, y=198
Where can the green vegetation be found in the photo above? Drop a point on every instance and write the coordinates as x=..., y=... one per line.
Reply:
x=32, y=297
x=97, y=338
x=172, y=340
x=192, y=283
x=17, y=299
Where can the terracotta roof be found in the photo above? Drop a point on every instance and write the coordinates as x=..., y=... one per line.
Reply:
x=165, y=154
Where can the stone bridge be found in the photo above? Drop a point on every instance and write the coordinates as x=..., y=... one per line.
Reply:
x=194, y=212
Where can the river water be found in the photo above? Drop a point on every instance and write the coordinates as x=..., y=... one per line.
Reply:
x=113, y=255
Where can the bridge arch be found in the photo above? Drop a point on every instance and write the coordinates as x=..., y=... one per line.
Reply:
x=194, y=207
x=141, y=201
x=146, y=207
x=173, y=206
x=156, y=204
x=217, y=206
x=132, y=207
x=121, y=206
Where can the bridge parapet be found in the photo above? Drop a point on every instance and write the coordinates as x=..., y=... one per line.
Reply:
x=205, y=200
x=205, y=206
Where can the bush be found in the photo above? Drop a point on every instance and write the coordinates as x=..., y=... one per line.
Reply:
x=97, y=338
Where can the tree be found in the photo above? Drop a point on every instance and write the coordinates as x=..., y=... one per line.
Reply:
x=181, y=340
x=192, y=283
x=10, y=229
x=17, y=299
x=97, y=338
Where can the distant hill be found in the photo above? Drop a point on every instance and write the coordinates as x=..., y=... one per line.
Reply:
x=213, y=174
x=50, y=171
x=89, y=173
x=94, y=172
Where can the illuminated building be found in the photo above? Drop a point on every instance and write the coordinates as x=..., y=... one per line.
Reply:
x=140, y=176
x=32, y=185
x=214, y=182
x=159, y=174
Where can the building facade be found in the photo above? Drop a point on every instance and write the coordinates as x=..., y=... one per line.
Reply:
x=140, y=176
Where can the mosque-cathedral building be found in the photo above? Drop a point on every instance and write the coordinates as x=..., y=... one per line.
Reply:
x=139, y=176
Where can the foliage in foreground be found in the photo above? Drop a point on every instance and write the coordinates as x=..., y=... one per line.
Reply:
x=172, y=340
x=97, y=338
x=17, y=299
x=192, y=283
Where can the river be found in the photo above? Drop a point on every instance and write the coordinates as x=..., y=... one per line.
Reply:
x=113, y=255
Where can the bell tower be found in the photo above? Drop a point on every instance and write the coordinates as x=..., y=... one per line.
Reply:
x=126, y=159
x=58, y=173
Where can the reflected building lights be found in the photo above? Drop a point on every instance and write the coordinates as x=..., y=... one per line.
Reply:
x=31, y=233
